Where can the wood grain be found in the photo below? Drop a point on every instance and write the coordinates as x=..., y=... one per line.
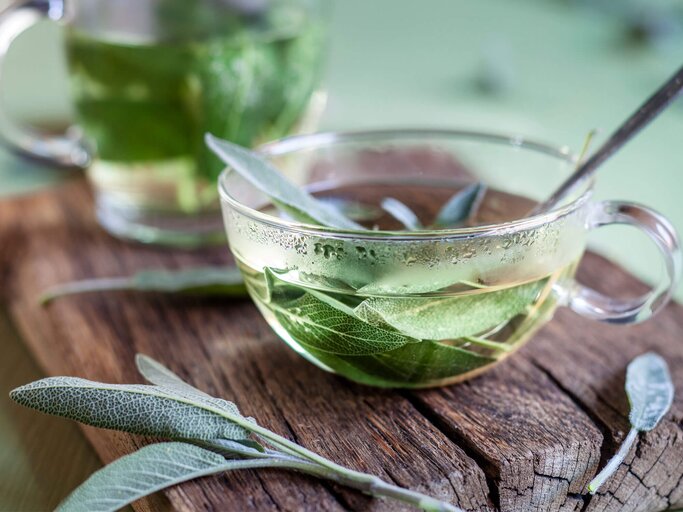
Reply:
x=528, y=435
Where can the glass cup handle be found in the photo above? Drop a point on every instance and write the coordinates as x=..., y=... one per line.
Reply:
x=64, y=150
x=592, y=304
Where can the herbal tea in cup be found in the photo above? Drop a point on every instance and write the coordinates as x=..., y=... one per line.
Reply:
x=429, y=270
x=150, y=77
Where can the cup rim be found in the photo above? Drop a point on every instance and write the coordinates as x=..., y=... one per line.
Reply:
x=293, y=143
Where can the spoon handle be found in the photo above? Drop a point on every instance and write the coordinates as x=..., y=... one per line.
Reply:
x=638, y=120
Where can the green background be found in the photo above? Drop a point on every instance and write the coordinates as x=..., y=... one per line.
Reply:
x=564, y=68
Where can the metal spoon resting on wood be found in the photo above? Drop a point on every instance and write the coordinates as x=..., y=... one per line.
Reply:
x=638, y=120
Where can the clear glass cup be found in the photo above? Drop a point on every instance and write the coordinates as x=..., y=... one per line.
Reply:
x=150, y=77
x=393, y=308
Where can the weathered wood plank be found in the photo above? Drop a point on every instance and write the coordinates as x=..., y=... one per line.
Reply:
x=652, y=477
x=526, y=439
x=526, y=436
x=223, y=347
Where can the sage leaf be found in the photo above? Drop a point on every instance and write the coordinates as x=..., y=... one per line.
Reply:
x=212, y=281
x=167, y=411
x=462, y=206
x=443, y=318
x=483, y=342
x=411, y=281
x=650, y=392
x=414, y=363
x=354, y=210
x=232, y=448
x=134, y=408
x=150, y=469
x=401, y=213
x=316, y=324
x=649, y=389
x=158, y=374
x=273, y=183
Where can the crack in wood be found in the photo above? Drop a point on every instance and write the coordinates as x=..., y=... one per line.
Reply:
x=491, y=473
x=267, y=491
x=608, y=444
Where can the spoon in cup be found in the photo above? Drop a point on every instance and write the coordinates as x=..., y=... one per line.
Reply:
x=636, y=122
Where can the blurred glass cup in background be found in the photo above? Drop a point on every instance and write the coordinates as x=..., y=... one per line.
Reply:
x=150, y=77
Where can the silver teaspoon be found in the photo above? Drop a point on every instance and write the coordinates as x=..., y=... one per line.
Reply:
x=638, y=120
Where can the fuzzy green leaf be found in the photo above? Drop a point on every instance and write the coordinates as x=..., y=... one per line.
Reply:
x=319, y=325
x=134, y=408
x=273, y=183
x=219, y=281
x=414, y=363
x=166, y=411
x=205, y=280
x=461, y=206
x=232, y=449
x=354, y=210
x=146, y=471
x=401, y=213
x=442, y=318
x=156, y=373
x=650, y=390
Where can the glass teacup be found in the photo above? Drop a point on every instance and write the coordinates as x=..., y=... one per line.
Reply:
x=395, y=308
x=149, y=77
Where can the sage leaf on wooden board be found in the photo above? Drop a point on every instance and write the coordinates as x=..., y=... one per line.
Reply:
x=148, y=470
x=294, y=200
x=159, y=375
x=209, y=435
x=205, y=281
x=650, y=392
x=401, y=213
x=443, y=318
x=461, y=207
x=134, y=408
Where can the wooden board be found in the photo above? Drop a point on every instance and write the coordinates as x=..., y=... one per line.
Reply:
x=528, y=435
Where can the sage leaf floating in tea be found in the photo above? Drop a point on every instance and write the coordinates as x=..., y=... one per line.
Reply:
x=650, y=392
x=461, y=207
x=285, y=195
x=205, y=281
x=442, y=318
x=401, y=213
x=371, y=352
x=208, y=436
x=316, y=324
x=407, y=366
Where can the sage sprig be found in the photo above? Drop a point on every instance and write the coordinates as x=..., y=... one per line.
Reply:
x=650, y=392
x=219, y=281
x=208, y=435
x=287, y=196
